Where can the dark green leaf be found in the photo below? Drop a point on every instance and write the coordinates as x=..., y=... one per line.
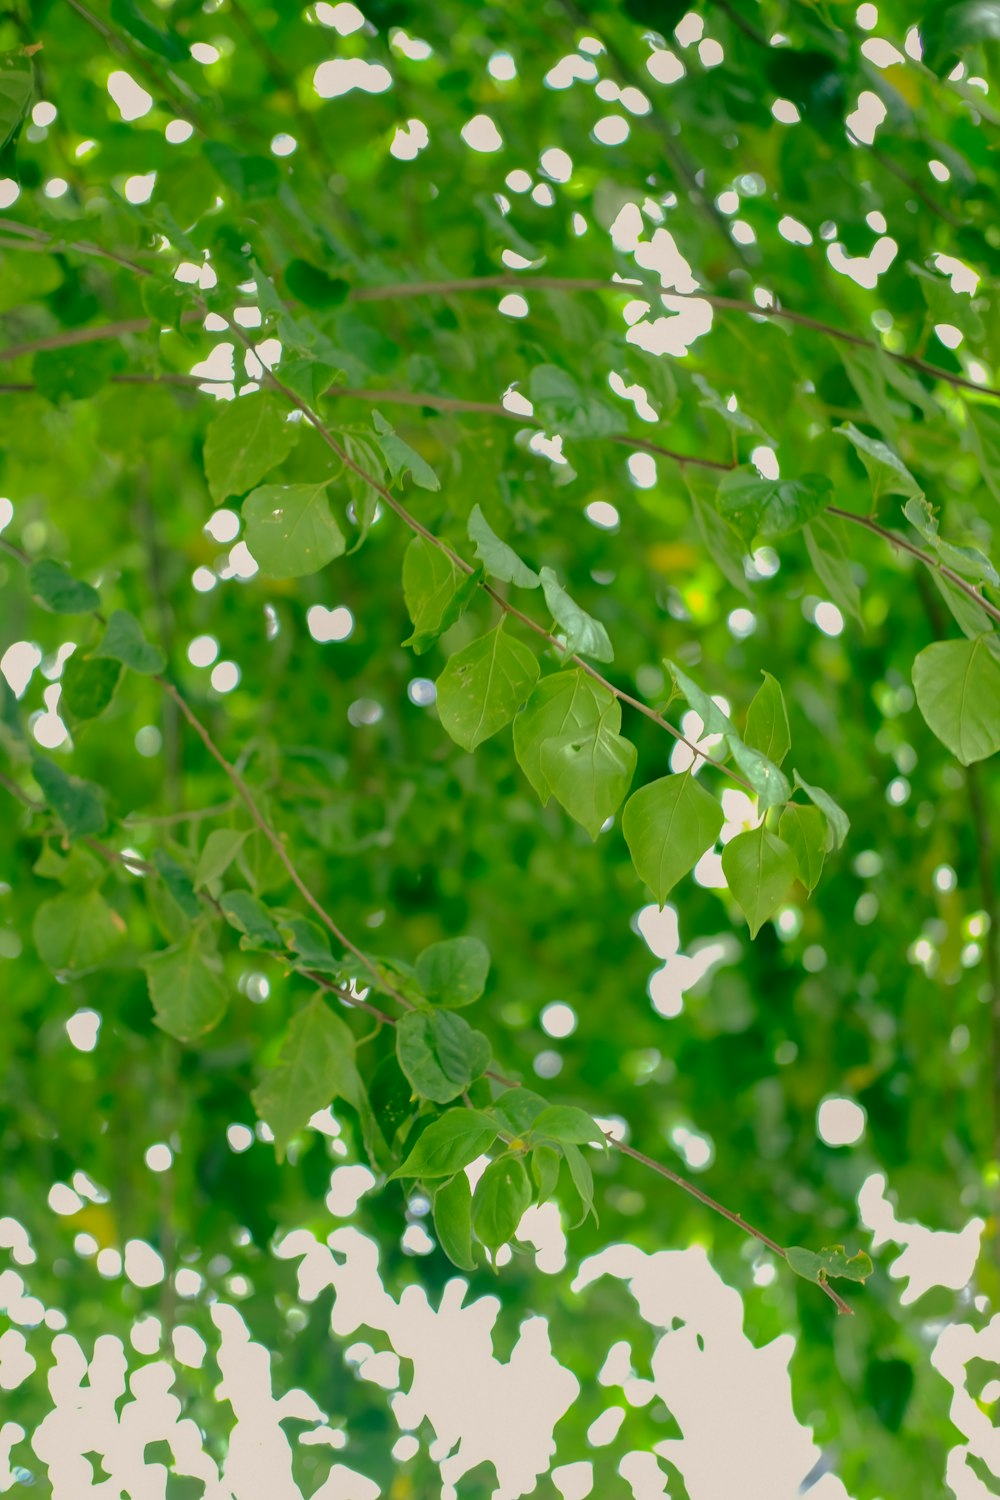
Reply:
x=768, y=508
x=59, y=591
x=804, y=830
x=313, y=286
x=124, y=641
x=88, y=686
x=79, y=804
x=316, y=1065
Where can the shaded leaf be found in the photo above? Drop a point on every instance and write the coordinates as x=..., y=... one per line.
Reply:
x=59, y=591
x=804, y=830
x=248, y=437
x=80, y=805
x=189, y=998
x=315, y=1066
x=400, y=457
x=76, y=931
x=436, y=590
x=124, y=641
x=440, y=1053
x=502, y=1195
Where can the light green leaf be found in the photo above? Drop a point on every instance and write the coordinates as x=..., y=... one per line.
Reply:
x=886, y=470
x=968, y=562
x=583, y=1180
x=453, y=973
x=957, y=684
x=838, y=822
x=57, y=589
x=585, y=636
x=564, y=703
x=971, y=619
x=767, y=721
x=590, y=770
x=545, y=1170
x=188, y=996
x=452, y=1210
x=450, y=1143
x=76, y=931
x=804, y=830
x=221, y=848
x=499, y=560
x=668, y=825
x=564, y=1123
x=79, y=804
x=440, y=1053
x=820, y=1265
x=502, y=1195
x=290, y=529
x=124, y=641
x=88, y=686
x=829, y=556
x=759, y=870
x=400, y=456
x=767, y=779
x=769, y=508
x=518, y=1109
x=483, y=686
x=16, y=87
x=315, y=1066
x=436, y=590
x=252, y=918
x=248, y=437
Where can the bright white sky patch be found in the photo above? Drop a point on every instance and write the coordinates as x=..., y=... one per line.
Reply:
x=665, y=66
x=344, y=18
x=864, y=121
x=340, y=75
x=409, y=140
x=329, y=624
x=131, y=98
x=864, y=269
x=840, y=1122
x=795, y=233
x=611, y=130
x=482, y=134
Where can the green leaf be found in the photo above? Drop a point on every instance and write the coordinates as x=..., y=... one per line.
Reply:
x=400, y=456
x=767, y=780
x=983, y=436
x=563, y=1123
x=502, y=1195
x=88, y=686
x=518, y=1108
x=804, y=830
x=452, y=1210
x=16, y=88
x=79, y=804
x=71, y=374
x=124, y=641
x=290, y=529
x=178, y=884
x=767, y=721
x=76, y=931
x=957, y=684
x=250, y=178
x=564, y=703
x=828, y=554
x=50, y=582
x=221, y=848
x=968, y=562
x=545, y=1170
x=315, y=287
x=499, y=560
x=449, y=1143
x=759, y=870
x=585, y=636
x=436, y=590
x=250, y=917
x=453, y=973
x=589, y=771
x=838, y=822
x=188, y=996
x=582, y=1178
x=820, y=1265
x=483, y=686
x=561, y=406
x=247, y=438
x=440, y=1053
x=886, y=470
x=769, y=508
x=946, y=30
x=668, y=825
x=315, y=1066
x=165, y=44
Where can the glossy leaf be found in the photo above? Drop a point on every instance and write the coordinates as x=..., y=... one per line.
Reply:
x=767, y=721
x=452, y=1210
x=563, y=1123
x=502, y=1195
x=804, y=830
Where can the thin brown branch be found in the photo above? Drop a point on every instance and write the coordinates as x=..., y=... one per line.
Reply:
x=928, y=560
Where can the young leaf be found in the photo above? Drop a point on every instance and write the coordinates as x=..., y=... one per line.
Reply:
x=769, y=508
x=957, y=684
x=759, y=870
x=668, y=825
x=76, y=931
x=452, y=1210
x=545, y=1170
x=563, y=1123
x=440, y=1053
x=250, y=917
x=804, y=830
x=290, y=529
x=436, y=591
x=585, y=636
x=453, y=973
x=499, y=560
x=502, y=1195
x=767, y=721
x=449, y=1143
x=79, y=804
x=583, y=1180
x=315, y=1066
x=188, y=996
x=590, y=771
x=828, y=555
x=58, y=590
x=88, y=686
x=221, y=848
x=400, y=456
x=564, y=703
x=483, y=686
x=518, y=1109
x=968, y=562
x=124, y=641
x=246, y=439
x=767, y=780
x=833, y=1260
x=838, y=822
x=886, y=470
